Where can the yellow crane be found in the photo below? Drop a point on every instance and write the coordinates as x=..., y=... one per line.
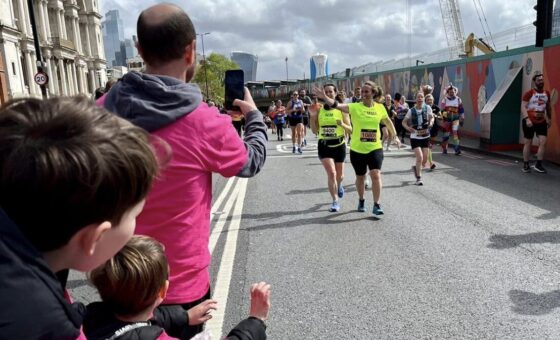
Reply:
x=471, y=42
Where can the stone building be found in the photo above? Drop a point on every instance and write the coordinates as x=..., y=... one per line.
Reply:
x=71, y=46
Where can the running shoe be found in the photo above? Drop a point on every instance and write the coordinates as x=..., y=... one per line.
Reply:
x=539, y=168
x=457, y=150
x=362, y=205
x=526, y=168
x=341, y=191
x=334, y=207
x=433, y=166
x=299, y=150
x=294, y=149
x=419, y=182
x=444, y=151
x=377, y=210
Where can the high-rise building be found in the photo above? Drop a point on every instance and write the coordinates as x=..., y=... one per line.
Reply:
x=113, y=34
x=71, y=47
x=248, y=63
x=319, y=65
x=556, y=20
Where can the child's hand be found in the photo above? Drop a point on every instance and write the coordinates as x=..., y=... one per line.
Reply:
x=201, y=312
x=260, y=300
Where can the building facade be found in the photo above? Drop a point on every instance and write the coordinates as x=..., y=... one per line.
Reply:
x=117, y=48
x=556, y=20
x=72, y=52
x=248, y=63
x=319, y=66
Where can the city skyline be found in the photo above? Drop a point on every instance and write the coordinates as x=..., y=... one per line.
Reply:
x=351, y=33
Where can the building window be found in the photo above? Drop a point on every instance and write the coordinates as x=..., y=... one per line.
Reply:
x=14, y=68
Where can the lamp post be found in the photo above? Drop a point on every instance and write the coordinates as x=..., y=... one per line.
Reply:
x=204, y=59
x=418, y=61
x=41, y=78
x=287, y=69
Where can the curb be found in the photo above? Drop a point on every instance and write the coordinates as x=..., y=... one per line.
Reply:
x=492, y=153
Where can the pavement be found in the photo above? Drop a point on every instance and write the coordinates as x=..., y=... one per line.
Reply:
x=473, y=144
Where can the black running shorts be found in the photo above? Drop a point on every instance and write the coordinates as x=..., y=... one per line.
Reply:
x=419, y=143
x=540, y=129
x=362, y=161
x=337, y=153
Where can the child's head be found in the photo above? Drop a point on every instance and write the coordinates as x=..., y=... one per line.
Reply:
x=135, y=279
x=73, y=176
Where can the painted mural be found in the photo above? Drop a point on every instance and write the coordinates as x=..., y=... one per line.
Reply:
x=552, y=83
x=476, y=81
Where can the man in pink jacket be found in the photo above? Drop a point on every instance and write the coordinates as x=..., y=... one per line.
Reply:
x=177, y=210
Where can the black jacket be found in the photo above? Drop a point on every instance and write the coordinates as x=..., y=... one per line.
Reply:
x=32, y=299
x=100, y=324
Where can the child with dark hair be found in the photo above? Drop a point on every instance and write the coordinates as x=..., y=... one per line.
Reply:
x=129, y=310
x=73, y=178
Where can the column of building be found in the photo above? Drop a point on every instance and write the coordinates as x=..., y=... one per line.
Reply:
x=63, y=78
x=45, y=10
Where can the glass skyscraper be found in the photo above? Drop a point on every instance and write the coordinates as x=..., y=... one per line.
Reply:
x=117, y=48
x=248, y=63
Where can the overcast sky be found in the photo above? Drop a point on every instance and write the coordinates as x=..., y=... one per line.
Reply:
x=350, y=32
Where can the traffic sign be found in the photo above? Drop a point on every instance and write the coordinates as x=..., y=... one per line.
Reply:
x=41, y=78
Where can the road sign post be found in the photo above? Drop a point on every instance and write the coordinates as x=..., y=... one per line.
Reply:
x=41, y=78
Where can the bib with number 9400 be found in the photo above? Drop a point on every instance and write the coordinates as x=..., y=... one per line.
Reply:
x=367, y=135
x=329, y=131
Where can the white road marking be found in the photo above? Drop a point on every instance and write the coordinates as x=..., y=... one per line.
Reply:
x=287, y=148
x=221, y=291
x=498, y=162
x=221, y=222
x=220, y=198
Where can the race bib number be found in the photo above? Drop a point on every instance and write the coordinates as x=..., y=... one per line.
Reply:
x=539, y=114
x=329, y=131
x=368, y=136
x=452, y=109
x=422, y=132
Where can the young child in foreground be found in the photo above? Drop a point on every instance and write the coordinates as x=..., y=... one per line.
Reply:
x=133, y=284
x=73, y=178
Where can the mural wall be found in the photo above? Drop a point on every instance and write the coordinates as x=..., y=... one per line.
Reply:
x=476, y=80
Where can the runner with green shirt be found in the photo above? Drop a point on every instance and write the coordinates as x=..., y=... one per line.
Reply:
x=366, y=149
x=330, y=125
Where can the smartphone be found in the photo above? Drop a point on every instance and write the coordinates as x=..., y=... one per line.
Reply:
x=234, y=84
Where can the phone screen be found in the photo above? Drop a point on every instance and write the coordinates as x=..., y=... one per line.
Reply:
x=234, y=84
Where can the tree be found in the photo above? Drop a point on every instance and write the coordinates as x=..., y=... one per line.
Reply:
x=216, y=66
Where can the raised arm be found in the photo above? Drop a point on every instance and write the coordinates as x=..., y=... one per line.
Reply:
x=320, y=93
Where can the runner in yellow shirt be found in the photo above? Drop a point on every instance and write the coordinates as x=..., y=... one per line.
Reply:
x=366, y=149
x=330, y=125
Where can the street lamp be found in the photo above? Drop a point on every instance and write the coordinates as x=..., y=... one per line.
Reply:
x=418, y=61
x=287, y=69
x=204, y=59
x=40, y=64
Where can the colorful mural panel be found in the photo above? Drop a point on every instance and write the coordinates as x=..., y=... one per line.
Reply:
x=552, y=83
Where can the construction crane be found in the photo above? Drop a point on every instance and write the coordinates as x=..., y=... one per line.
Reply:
x=453, y=25
x=471, y=42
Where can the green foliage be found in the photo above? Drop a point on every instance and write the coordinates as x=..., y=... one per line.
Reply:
x=216, y=66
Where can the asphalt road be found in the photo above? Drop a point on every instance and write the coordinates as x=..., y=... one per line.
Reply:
x=473, y=254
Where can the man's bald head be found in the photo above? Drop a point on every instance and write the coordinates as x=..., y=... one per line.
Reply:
x=164, y=31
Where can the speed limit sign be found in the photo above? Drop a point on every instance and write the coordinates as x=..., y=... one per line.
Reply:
x=41, y=78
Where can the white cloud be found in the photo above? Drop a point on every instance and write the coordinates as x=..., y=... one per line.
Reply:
x=350, y=32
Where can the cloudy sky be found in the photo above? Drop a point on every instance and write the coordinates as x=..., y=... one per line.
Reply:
x=350, y=32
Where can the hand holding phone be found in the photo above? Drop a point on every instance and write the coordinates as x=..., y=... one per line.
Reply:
x=234, y=88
